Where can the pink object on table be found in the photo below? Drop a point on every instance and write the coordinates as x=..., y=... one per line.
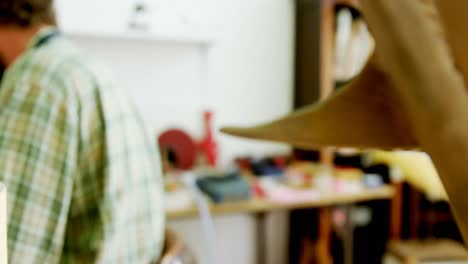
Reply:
x=288, y=195
x=339, y=186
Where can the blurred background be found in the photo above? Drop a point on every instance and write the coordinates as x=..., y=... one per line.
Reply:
x=192, y=66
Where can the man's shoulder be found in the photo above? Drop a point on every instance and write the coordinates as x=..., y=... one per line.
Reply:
x=77, y=64
x=68, y=70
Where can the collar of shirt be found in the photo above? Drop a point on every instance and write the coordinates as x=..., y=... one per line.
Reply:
x=43, y=34
x=40, y=36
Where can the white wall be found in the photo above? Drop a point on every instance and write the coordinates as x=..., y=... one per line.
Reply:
x=245, y=77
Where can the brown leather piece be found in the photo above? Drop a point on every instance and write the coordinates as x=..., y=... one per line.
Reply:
x=454, y=22
x=364, y=114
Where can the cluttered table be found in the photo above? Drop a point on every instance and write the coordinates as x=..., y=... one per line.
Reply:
x=300, y=186
x=262, y=205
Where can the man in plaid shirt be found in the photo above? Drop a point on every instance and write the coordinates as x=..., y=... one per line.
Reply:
x=84, y=181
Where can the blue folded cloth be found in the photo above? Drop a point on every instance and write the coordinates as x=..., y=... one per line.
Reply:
x=232, y=187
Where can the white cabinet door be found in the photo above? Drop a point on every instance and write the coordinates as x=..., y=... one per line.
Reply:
x=177, y=20
x=94, y=16
x=182, y=17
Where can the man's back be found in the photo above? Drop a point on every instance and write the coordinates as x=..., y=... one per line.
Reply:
x=83, y=179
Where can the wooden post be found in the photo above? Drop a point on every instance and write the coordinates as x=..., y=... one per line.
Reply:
x=415, y=213
x=323, y=243
x=396, y=212
x=327, y=82
x=327, y=85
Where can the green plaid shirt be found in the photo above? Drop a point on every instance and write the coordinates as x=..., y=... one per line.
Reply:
x=84, y=181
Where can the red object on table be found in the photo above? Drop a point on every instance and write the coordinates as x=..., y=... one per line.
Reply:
x=280, y=162
x=208, y=146
x=182, y=147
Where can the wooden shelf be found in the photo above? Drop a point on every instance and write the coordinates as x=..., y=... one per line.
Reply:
x=260, y=205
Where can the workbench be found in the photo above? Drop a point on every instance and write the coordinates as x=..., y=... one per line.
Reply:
x=260, y=207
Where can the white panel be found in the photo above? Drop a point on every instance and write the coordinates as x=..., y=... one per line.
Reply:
x=235, y=238
x=277, y=238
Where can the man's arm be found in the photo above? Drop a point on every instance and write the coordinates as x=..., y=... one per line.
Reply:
x=37, y=158
x=117, y=209
x=412, y=50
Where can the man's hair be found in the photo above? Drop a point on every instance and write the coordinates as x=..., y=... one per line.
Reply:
x=25, y=13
